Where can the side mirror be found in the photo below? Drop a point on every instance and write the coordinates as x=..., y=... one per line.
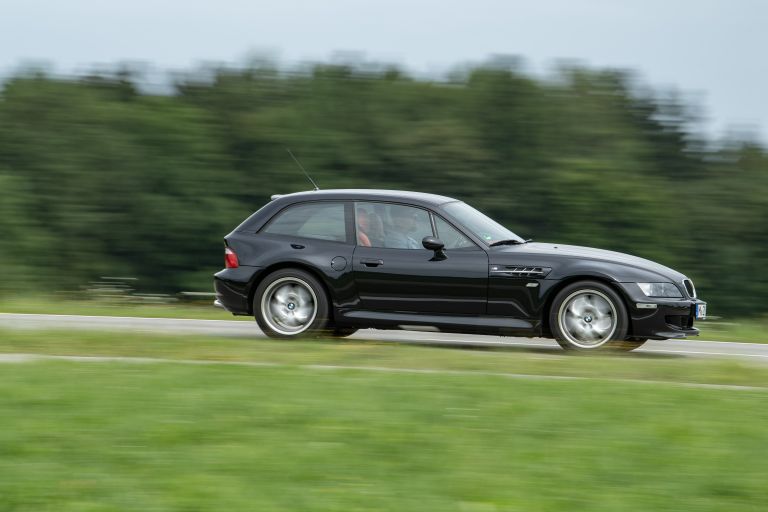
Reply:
x=431, y=243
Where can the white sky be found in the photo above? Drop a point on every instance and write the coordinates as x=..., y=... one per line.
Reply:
x=712, y=50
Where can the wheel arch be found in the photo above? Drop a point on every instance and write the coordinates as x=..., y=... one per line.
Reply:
x=552, y=293
x=289, y=264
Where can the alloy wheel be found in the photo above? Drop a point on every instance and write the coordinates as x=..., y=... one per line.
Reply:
x=587, y=318
x=289, y=305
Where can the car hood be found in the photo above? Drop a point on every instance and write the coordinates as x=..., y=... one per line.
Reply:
x=567, y=259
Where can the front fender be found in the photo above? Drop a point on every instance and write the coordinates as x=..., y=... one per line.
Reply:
x=616, y=272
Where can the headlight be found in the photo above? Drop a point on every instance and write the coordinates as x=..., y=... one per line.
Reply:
x=660, y=289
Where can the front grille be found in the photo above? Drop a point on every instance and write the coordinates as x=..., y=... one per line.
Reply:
x=689, y=288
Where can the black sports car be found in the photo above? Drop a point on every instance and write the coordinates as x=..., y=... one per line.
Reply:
x=334, y=261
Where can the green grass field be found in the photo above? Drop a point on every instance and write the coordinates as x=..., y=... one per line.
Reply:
x=483, y=430
x=127, y=436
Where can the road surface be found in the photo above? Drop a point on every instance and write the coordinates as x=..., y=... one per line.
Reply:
x=246, y=329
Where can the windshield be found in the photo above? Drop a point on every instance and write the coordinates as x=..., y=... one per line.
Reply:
x=482, y=226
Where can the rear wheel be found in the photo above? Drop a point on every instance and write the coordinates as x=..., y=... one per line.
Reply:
x=589, y=315
x=290, y=303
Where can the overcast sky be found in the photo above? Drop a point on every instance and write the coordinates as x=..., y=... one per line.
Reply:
x=711, y=50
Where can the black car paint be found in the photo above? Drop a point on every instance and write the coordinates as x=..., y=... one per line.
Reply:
x=401, y=288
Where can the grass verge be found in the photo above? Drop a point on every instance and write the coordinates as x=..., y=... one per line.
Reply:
x=49, y=305
x=753, y=330
x=358, y=353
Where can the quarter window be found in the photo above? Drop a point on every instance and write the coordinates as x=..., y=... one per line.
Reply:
x=391, y=226
x=321, y=220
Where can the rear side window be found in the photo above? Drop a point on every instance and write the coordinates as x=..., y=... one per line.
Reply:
x=321, y=220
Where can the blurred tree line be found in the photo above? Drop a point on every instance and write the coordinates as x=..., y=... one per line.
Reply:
x=98, y=177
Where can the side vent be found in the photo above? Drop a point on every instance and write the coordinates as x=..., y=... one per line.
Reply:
x=519, y=271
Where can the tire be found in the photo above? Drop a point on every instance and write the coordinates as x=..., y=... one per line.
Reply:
x=291, y=303
x=627, y=345
x=589, y=315
x=342, y=332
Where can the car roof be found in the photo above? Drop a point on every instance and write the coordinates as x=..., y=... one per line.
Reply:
x=369, y=194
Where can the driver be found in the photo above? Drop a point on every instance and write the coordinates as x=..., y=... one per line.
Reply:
x=403, y=223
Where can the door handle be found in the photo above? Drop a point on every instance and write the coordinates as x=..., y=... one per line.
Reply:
x=297, y=246
x=371, y=262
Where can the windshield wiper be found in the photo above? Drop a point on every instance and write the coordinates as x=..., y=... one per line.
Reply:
x=510, y=242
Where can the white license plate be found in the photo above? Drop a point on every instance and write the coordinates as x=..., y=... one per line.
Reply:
x=701, y=311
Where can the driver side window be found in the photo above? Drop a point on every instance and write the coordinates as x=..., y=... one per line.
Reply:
x=392, y=226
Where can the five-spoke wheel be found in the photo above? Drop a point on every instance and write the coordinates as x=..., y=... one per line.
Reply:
x=587, y=318
x=290, y=303
x=589, y=315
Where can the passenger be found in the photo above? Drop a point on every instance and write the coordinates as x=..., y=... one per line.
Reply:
x=363, y=225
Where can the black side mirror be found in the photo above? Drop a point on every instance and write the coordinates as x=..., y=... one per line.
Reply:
x=431, y=243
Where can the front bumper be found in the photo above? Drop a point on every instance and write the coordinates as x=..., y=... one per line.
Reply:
x=660, y=318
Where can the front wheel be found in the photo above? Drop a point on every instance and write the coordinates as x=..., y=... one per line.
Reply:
x=629, y=344
x=343, y=332
x=589, y=315
x=290, y=303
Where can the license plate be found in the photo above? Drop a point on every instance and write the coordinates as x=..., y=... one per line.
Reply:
x=701, y=311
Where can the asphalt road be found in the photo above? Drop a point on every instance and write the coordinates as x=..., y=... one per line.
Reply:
x=246, y=329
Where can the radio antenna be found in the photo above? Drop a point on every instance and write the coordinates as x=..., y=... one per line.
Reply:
x=302, y=169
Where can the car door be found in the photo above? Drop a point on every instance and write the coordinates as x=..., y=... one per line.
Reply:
x=393, y=272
